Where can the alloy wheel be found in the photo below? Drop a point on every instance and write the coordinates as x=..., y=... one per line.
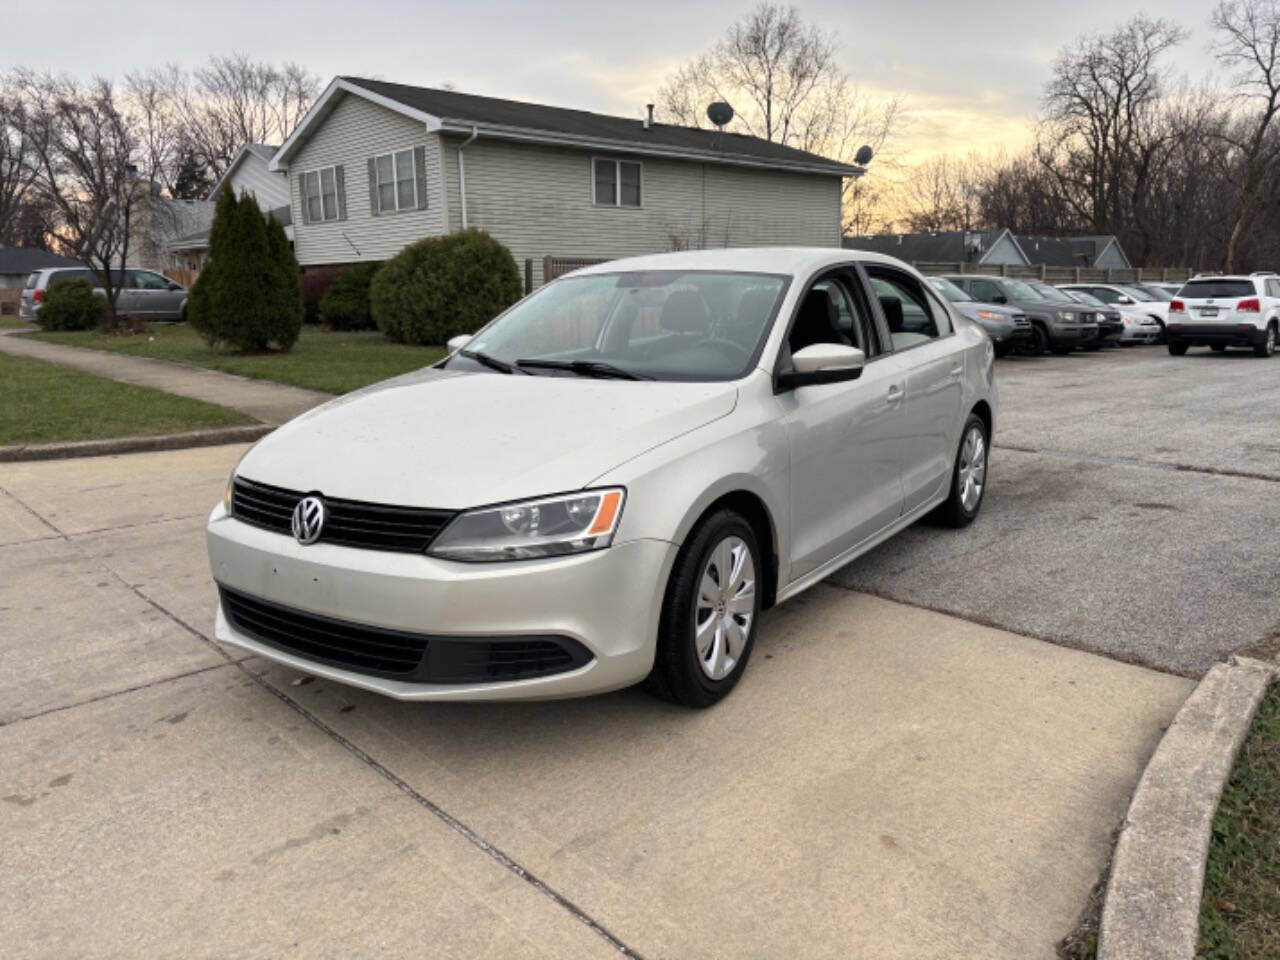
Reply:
x=725, y=608
x=973, y=469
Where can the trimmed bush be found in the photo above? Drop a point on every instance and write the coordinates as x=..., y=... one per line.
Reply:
x=345, y=306
x=440, y=287
x=247, y=296
x=72, y=305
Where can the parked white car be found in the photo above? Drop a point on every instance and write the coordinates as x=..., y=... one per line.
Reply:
x=1223, y=311
x=1139, y=325
x=610, y=481
x=1120, y=295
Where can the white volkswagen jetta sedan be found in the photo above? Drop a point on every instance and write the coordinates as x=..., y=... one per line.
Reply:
x=609, y=482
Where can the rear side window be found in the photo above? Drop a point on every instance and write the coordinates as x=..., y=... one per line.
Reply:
x=33, y=280
x=1217, y=289
x=912, y=315
x=62, y=276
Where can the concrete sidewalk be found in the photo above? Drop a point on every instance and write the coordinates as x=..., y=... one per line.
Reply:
x=886, y=781
x=261, y=399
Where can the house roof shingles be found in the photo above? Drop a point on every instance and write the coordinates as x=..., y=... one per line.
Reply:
x=1064, y=251
x=466, y=108
x=945, y=247
x=14, y=260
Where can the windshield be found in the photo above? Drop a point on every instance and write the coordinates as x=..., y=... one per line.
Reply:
x=656, y=324
x=1046, y=292
x=950, y=290
x=1021, y=291
x=1157, y=293
x=1083, y=297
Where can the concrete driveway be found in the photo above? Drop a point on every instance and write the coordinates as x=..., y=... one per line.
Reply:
x=886, y=782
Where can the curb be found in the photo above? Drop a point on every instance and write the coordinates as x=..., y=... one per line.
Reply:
x=1152, y=909
x=164, y=441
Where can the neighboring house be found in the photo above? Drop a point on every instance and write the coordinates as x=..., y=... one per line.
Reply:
x=157, y=220
x=987, y=248
x=18, y=263
x=247, y=173
x=375, y=166
x=1087, y=251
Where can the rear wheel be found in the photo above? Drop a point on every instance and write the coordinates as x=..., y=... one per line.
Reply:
x=1177, y=349
x=1267, y=347
x=968, y=477
x=709, y=615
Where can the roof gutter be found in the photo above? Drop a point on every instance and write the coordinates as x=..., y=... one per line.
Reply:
x=462, y=172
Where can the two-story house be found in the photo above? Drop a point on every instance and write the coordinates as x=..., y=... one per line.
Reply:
x=375, y=166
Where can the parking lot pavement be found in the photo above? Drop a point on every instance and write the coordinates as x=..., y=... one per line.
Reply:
x=1142, y=526
x=886, y=781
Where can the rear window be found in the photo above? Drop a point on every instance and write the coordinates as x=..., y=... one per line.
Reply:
x=33, y=280
x=1217, y=289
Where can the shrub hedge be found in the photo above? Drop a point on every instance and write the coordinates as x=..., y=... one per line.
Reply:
x=345, y=306
x=72, y=305
x=440, y=287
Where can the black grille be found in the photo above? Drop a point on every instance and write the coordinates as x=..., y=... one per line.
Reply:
x=399, y=654
x=350, y=523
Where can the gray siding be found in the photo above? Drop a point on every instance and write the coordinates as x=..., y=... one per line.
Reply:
x=252, y=176
x=537, y=201
x=1111, y=257
x=354, y=132
x=1004, y=250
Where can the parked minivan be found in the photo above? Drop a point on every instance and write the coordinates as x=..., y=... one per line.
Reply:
x=144, y=294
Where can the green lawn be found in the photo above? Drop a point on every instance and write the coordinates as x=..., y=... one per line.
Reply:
x=9, y=321
x=332, y=362
x=1240, y=912
x=46, y=403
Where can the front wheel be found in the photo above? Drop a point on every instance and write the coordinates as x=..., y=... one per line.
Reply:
x=1037, y=343
x=968, y=478
x=1267, y=347
x=709, y=614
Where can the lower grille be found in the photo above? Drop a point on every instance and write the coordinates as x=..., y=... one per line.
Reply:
x=398, y=654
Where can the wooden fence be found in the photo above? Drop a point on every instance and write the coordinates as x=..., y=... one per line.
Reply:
x=553, y=267
x=9, y=299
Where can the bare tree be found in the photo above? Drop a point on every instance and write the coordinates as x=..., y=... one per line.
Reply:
x=86, y=153
x=942, y=193
x=783, y=78
x=233, y=100
x=1249, y=44
x=17, y=163
x=151, y=97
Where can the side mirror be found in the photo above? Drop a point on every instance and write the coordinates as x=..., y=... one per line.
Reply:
x=823, y=363
x=174, y=286
x=1124, y=299
x=457, y=343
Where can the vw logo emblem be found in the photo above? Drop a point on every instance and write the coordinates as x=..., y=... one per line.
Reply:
x=308, y=520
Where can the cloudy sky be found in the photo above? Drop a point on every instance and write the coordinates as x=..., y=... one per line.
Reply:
x=971, y=80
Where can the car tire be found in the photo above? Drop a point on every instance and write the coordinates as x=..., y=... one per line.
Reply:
x=962, y=505
x=1177, y=349
x=1160, y=337
x=681, y=672
x=1037, y=343
x=1002, y=349
x=1267, y=347
x=1218, y=347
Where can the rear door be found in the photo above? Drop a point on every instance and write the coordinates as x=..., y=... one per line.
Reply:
x=928, y=352
x=151, y=296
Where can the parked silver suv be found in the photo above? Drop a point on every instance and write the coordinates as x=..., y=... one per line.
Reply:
x=1220, y=311
x=144, y=294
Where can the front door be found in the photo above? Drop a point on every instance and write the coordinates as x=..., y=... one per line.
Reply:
x=845, y=473
x=925, y=347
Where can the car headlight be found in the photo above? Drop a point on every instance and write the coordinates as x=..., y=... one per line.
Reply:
x=1128, y=321
x=1066, y=315
x=990, y=315
x=547, y=527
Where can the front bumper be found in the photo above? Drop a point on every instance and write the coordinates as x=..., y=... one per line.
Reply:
x=1140, y=333
x=1207, y=334
x=609, y=601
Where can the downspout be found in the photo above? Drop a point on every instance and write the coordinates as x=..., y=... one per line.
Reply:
x=462, y=173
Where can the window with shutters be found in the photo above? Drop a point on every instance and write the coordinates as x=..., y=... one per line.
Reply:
x=395, y=182
x=320, y=195
x=615, y=183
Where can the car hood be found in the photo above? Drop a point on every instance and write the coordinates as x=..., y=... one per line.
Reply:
x=445, y=439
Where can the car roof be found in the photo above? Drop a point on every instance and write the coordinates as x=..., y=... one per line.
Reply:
x=794, y=261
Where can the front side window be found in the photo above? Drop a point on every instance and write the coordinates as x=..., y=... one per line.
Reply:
x=828, y=313
x=659, y=324
x=146, y=280
x=320, y=194
x=985, y=290
x=616, y=183
x=395, y=183
x=910, y=312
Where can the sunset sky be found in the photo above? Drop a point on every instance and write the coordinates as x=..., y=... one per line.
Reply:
x=971, y=76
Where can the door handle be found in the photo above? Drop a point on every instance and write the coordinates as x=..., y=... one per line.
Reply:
x=895, y=394
x=957, y=371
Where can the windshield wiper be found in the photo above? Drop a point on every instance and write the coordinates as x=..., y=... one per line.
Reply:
x=583, y=368
x=493, y=363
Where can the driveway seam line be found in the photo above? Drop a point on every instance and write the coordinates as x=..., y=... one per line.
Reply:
x=449, y=820
x=1122, y=461
x=119, y=693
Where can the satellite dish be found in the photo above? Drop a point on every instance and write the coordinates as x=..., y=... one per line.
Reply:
x=719, y=113
x=863, y=156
